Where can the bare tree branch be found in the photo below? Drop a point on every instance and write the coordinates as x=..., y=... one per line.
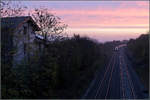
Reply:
x=51, y=26
x=9, y=10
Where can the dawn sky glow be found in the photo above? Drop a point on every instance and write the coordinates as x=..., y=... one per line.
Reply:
x=101, y=20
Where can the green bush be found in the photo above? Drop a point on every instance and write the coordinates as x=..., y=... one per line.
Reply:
x=64, y=70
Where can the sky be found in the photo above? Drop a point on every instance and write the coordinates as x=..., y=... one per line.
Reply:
x=101, y=20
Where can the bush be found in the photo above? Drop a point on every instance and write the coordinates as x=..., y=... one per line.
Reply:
x=64, y=70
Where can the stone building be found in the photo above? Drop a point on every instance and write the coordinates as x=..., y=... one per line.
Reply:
x=19, y=39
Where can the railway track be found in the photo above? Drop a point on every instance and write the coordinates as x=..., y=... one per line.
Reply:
x=117, y=80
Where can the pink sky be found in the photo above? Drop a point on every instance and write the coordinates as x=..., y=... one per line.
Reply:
x=103, y=17
x=102, y=20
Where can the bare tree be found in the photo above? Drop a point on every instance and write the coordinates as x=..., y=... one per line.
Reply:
x=51, y=26
x=8, y=9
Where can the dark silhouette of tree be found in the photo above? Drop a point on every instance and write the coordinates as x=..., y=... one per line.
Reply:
x=138, y=53
x=51, y=26
x=8, y=9
x=140, y=48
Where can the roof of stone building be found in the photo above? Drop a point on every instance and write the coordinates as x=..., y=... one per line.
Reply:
x=16, y=22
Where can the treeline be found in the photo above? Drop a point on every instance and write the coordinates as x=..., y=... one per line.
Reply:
x=63, y=70
x=139, y=54
x=140, y=49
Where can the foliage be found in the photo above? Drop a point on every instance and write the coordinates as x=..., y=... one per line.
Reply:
x=140, y=57
x=140, y=49
x=64, y=70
